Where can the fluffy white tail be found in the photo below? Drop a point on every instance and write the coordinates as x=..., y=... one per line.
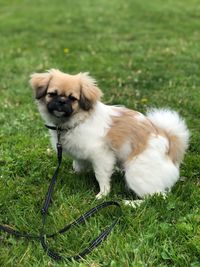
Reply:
x=175, y=128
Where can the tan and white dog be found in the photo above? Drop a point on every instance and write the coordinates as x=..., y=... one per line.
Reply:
x=149, y=148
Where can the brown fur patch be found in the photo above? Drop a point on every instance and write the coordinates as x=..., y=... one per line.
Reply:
x=127, y=127
x=89, y=89
x=176, y=148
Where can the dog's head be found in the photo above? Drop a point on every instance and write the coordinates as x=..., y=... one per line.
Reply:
x=64, y=94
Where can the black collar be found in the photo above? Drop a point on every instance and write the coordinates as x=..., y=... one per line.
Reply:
x=55, y=128
x=59, y=128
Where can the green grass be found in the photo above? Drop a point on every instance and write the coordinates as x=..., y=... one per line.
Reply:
x=142, y=53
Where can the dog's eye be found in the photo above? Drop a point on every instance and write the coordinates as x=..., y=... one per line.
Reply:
x=51, y=94
x=72, y=98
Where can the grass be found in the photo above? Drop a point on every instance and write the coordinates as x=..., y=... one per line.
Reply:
x=142, y=53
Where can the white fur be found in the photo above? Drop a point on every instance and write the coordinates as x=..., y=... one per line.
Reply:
x=150, y=172
x=124, y=151
x=170, y=121
x=87, y=142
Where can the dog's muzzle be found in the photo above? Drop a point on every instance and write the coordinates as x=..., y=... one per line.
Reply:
x=60, y=107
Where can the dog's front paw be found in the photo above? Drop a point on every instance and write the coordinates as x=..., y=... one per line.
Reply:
x=99, y=195
x=102, y=194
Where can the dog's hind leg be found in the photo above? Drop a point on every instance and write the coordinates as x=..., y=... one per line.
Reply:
x=152, y=171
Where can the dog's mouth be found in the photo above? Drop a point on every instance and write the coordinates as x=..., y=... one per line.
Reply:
x=59, y=114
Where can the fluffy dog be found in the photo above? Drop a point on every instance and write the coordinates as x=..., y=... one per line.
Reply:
x=149, y=148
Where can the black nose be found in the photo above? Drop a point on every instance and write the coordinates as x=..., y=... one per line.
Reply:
x=61, y=100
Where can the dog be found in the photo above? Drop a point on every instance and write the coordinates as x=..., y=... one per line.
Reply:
x=149, y=148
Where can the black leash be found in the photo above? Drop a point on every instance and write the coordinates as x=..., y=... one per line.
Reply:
x=42, y=237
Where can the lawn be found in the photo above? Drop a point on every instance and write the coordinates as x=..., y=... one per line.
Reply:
x=142, y=53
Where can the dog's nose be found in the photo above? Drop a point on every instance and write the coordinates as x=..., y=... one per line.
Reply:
x=61, y=100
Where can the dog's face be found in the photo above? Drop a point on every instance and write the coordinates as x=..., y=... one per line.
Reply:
x=64, y=95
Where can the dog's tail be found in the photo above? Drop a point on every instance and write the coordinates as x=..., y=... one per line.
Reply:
x=176, y=130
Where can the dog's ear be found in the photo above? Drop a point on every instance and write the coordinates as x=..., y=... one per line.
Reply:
x=40, y=82
x=89, y=93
